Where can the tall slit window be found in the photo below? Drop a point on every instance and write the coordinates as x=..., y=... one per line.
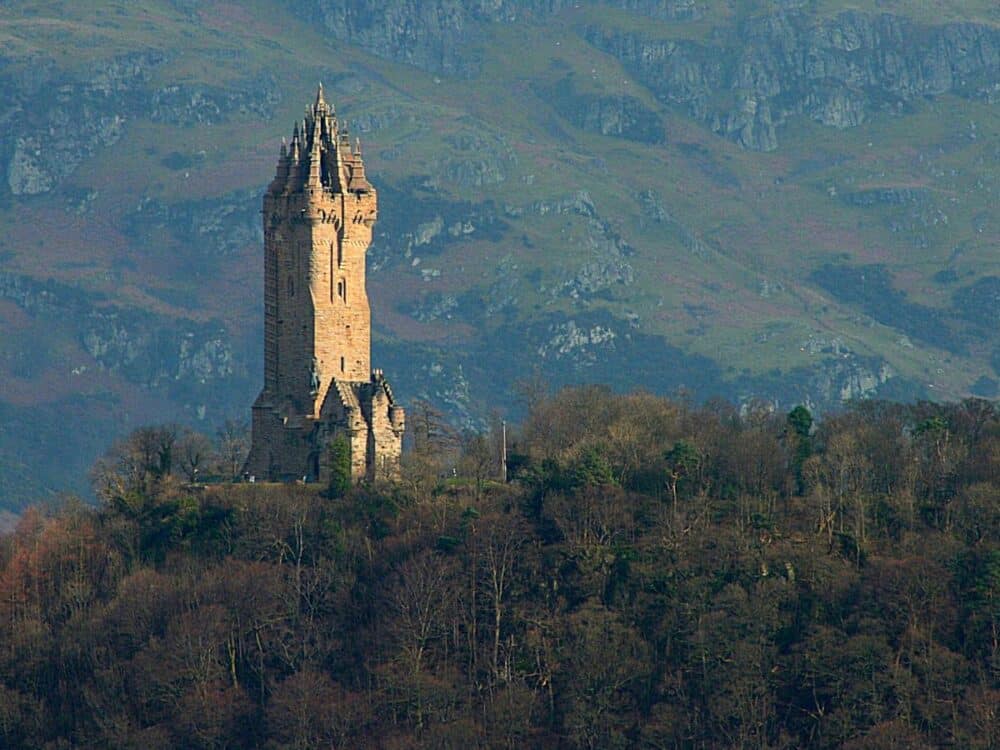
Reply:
x=291, y=287
x=342, y=289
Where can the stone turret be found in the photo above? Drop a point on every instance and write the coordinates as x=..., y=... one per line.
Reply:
x=319, y=211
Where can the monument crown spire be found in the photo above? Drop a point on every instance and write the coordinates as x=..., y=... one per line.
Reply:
x=321, y=154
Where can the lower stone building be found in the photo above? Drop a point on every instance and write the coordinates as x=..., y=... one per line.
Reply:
x=290, y=446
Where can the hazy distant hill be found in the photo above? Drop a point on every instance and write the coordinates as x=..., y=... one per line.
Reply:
x=792, y=200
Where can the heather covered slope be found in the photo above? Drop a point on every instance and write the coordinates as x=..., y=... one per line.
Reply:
x=789, y=201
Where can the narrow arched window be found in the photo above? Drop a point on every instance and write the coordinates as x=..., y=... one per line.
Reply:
x=342, y=290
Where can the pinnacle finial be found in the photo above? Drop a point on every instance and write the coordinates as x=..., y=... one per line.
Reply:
x=320, y=101
x=357, y=146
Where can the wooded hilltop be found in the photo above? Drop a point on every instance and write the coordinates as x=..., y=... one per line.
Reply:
x=653, y=575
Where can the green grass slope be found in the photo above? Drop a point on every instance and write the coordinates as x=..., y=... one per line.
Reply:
x=560, y=211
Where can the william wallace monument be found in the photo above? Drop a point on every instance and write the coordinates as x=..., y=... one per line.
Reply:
x=318, y=383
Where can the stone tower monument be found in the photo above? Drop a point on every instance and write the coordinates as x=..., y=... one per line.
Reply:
x=318, y=383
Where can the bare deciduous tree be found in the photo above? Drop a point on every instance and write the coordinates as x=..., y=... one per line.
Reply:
x=233, y=441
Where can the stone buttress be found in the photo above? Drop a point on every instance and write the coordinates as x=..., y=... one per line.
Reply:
x=318, y=383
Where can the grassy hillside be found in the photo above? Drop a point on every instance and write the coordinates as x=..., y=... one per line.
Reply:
x=562, y=208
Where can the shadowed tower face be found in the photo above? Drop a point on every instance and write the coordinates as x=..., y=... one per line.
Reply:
x=318, y=216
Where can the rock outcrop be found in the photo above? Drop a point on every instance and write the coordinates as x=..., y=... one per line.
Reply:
x=207, y=229
x=621, y=115
x=196, y=104
x=52, y=124
x=837, y=71
x=146, y=349
x=435, y=35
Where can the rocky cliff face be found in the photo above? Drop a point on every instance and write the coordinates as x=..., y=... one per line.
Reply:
x=621, y=115
x=146, y=349
x=51, y=124
x=836, y=71
x=429, y=35
x=189, y=104
x=435, y=34
x=744, y=84
x=213, y=229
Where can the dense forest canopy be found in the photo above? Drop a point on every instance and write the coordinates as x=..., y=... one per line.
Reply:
x=654, y=575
